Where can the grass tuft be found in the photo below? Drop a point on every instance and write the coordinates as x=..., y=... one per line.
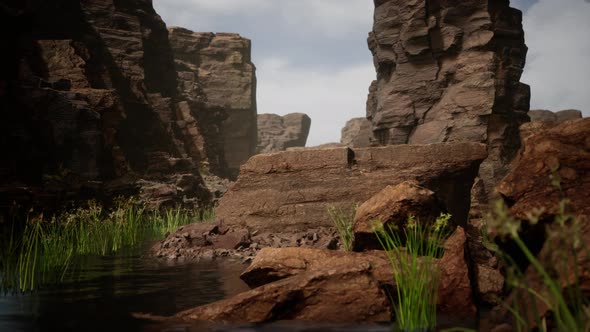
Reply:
x=343, y=221
x=412, y=252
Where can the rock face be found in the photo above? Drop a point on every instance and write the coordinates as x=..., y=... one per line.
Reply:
x=220, y=65
x=392, y=207
x=278, y=133
x=449, y=72
x=357, y=133
x=565, y=150
x=560, y=152
x=90, y=104
x=290, y=191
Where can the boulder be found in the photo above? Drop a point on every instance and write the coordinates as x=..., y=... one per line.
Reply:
x=444, y=76
x=272, y=264
x=357, y=133
x=552, y=166
x=278, y=133
x=561, y=153
x=322, y=294
x=455, y=290
x=392, y=207
x=290, y=191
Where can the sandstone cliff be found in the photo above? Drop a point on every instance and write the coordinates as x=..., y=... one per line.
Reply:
x=90, y=105
x=357, y=133
x=219, y=66
x=278, y=133
x=449, y=71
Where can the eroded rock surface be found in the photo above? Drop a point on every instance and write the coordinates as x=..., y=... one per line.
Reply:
x=392, y=207
x=562, y=151
x=322, y=294
x=357, y=133
x=91, y=106
x=290, y=191
x=448, y=72
x=220, y=65
x=278, y=133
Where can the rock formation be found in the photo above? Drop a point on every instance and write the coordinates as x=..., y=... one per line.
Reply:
x=219, y=67
x=449, y=71
x=554, y=117
x=290, y=191
x=357, y=133
x=90, y=105
x=278, y=133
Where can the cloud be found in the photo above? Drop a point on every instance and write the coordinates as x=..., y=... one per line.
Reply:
x=558, y=62
x=330, y=98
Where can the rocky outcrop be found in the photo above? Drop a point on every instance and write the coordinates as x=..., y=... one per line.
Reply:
x=278, y=133
x=357, y=133
x=90, y=105
x=272, y=264
x=311, y=284
x=561, y=153
x=321, y=294
x=554, y=117
x=392, y=207
x=542, y=120
x=449, y=72
x=219, y=65
x=290, y=191
x=552, y=170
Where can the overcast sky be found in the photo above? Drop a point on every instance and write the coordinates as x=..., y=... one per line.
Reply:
x=312, y=56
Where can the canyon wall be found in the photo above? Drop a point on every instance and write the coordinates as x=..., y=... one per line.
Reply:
x=91, y=107
x=449, y=71
x=220, y=64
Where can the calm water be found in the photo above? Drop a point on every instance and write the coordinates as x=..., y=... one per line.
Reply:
x=104, y=291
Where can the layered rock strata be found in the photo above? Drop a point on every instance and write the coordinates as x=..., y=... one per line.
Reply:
x=90, y=105
x=218, y=67
x=290, y=191
x=449, y=72
x=278, y=133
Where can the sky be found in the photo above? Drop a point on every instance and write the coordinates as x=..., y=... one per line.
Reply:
x=312, y=56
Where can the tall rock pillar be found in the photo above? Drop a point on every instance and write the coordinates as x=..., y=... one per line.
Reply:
x=449, y=71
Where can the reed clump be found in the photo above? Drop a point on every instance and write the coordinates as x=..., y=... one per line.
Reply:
x=42, y=251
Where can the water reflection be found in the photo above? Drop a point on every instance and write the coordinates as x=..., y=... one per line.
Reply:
x=101, y=292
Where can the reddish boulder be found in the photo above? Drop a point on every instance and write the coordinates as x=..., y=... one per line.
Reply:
x=273, y=264
x=392, y=206
x=341, y=293
x=454, y=292
x=565, y=150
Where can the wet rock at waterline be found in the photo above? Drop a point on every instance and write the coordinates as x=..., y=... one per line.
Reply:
x=342, y=293
x=204, y=241
x=312, y=284
x=391, y=207
x=290, y=191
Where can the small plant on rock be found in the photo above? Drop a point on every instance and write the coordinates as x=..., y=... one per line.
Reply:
x=343, y=221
